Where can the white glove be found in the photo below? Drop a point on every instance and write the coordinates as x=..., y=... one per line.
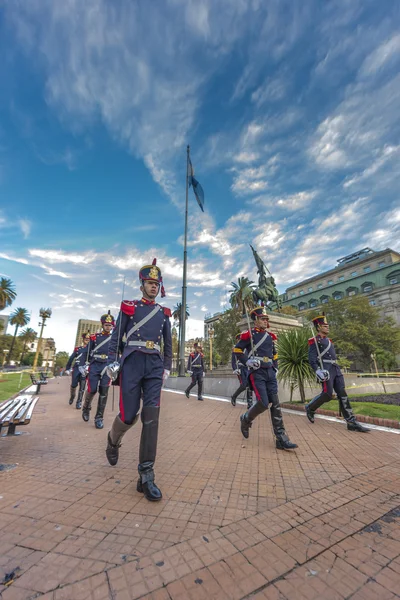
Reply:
x=68, y=372
x=83, y=370
x=204, y=375
x=165, y=375
x=190, y=372
x=322, y=375
x=112, y=370
x=236, y=372
x=253, y=364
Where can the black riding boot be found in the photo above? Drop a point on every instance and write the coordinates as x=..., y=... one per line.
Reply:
x=237, y=393
x=187, y=391
x=72, y=396
x=200, y=389
x=114, y=437
x=348, y=415
x=78, y=405
x=249, y=395
x=147, y=453
x=248, y=417
x=316, y=403
x=282, y=438
x=87, y=405
x=101, y=405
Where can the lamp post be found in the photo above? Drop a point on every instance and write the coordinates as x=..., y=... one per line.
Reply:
x=45, y=313
x=210, y=336
x=5, y=352
x=376, y=368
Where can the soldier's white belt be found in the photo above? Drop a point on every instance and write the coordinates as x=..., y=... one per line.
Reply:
x=264, y=359
x=331, y=362
x=149, y=345
x=103, y=356
x=196, y=366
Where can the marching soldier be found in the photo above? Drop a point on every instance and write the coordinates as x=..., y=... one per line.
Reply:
x=263, y=366
x=242, y=373
x=195, y=368
x=322, y=358
x=141, y=370
x=98, y=380
x=80, y=356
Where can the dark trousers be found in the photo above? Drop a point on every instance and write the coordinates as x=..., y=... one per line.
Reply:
x=265, y=385
x=77, y=379
x=97, y=377
x=335, y=383
x=141, y=376
x=197, y=377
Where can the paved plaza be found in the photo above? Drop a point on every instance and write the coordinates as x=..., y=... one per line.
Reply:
x=239, y=519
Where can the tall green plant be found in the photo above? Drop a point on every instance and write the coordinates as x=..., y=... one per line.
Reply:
x=20, y=317
x=7, y=292
x=294, y=368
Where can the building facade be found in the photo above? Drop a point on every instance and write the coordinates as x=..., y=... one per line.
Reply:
x=4, y=322
x=84, y=326
x=366, y=272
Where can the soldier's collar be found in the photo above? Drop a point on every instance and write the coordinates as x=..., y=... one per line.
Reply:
x=147, y=301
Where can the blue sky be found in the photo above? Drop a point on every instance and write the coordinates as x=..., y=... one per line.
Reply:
x=291, y=109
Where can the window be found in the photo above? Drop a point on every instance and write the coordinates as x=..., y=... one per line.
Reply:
x=372, y=302
x=293, y=295
x=352, y=293
x=330, y=281
x=367, y=269
x=341, y=278
x=393, y=277
x=301, y=292
x=367, y=288
x=310, y=289
x=302, y=305
x=354, y=274
x=320, y=285
x=324, y=299
x=337, y=296
x=382, y=263
x=313, y=303
x=393, y=280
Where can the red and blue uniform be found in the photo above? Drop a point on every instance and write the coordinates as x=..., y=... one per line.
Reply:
x=98, y=354
x=80, y=356
x=196, y=366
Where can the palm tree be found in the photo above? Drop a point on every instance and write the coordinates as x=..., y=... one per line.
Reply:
x=242, y=294
x=45, y=313
x=176, y=313
x=20, y=317
x=294, y=368
x=28, y=336
x=7, y=292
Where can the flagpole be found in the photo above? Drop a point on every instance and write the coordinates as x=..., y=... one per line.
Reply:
x=182, y=332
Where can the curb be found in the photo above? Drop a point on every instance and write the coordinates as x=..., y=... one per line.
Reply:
x=362, y=418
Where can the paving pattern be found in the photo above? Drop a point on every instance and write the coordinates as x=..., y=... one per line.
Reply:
x=239, y=519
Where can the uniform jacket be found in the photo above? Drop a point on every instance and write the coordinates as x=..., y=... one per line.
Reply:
x=324, y=344
x=266, y=352
x=196, y=362
x=236, y=363
x=80, y=355
x=96, y=353
x=148, y=337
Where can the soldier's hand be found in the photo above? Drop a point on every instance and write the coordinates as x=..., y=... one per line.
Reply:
x=83, y=370
x=253, y=364
x=112, y=370
x=236, y=372
x=190, y=372
x=165, y=376
x=67, y=372
x=322, y=375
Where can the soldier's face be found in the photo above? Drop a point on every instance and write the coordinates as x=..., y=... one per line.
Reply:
x=150, y=289
x=107, y=327
x=262, y=322
x=323, y=328
x=86, y=341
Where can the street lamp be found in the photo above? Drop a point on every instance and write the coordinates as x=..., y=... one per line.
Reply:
x=376, y=368
x=210, y=336
x=5, y=352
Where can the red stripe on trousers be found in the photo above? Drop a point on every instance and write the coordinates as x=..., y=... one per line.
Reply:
x=255, y=387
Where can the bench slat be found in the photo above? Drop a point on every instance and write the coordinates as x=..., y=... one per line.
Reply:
x=5, y=407
x=23, y=409
x=14, y=408
x=29, y=412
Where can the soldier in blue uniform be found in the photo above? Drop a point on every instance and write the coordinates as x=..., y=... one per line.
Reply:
x=141, y=370
x=195, y=368
x=80, y=356
x=262, y=362
x=98, y=380
x=322, y=358
x=242, y=373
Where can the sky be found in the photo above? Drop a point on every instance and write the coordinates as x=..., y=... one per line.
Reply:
x=291, y=110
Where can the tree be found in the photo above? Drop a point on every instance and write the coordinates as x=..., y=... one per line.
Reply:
x=61, y=359
x=385, y=359
x=7, y=292
x=27, y=336
x=225, y=330
x=241, y=297
x=289, y=310
x=30, y=358
x=20, y=317
x=359, y=329
x=294, y=368
x=176, y=313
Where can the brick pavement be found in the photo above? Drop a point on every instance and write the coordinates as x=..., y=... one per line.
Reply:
x=239, y=519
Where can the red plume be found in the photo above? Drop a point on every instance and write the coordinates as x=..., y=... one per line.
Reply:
x=154, y=261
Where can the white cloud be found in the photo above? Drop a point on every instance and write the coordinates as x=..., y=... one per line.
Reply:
x=13, y=258
x=50, y=271
x=58, y=256
x=26, y=227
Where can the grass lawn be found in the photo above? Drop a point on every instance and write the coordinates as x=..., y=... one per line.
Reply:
x=370, y=409
x=12, y=383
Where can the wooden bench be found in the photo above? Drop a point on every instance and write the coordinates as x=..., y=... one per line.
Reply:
x=16, y=412
x=38, y=382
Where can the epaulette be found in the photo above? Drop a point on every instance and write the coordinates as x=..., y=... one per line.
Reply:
x=311, y=341
x=167, y=311
x=274, y=337
x=76, y=349
x=192, y=354
x=245, y=335
x=128, y=307
x=238, y=350
x=93, y=337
